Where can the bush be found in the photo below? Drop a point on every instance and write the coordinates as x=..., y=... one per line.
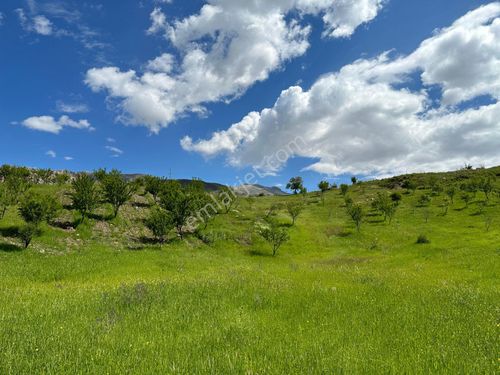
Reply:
x=344, y=188
x=422, y=239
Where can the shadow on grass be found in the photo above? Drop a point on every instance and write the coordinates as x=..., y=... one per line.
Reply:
x=101, y=217
x=259, y=253
x=141, y=204
x=65, y=224
x=10, y=248
x=12, y=231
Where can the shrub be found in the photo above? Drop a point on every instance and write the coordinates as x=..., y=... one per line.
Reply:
x=160, y=223
x=153, y=185
x=422, y=239
x=354, y=180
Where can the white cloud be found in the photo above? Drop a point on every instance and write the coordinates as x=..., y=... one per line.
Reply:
x=2, y=17
x=364, y=120
x=72, y=107
x=110, y=140
x=42, y=25
x=114, y=150
x=51, y=125
x=225, y=48
x=51, y=153
x=68, y=158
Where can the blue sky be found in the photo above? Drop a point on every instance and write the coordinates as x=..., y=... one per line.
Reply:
x=48, y=48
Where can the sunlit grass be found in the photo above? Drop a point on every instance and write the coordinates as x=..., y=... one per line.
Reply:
x=98, y=300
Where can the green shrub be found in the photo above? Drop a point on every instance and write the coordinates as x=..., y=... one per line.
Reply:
x=27, y=233
x=35, y=208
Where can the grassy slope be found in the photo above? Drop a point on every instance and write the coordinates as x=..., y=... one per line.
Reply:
x=97, y=300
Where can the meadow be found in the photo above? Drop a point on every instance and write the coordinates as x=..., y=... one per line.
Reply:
x=101, y=298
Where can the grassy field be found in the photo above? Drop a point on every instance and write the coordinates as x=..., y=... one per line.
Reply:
x=100, y=299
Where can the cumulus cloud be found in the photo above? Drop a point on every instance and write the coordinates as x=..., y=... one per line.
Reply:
x=365, y=119
x=51, y=125
x=224, y=49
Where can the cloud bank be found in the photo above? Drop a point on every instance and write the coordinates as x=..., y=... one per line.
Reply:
x=224, y=49
x=364, y=119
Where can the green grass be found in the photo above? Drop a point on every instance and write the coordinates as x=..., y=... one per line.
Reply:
x=100, y=300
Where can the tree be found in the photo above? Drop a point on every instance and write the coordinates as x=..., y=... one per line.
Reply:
x=357, y=215
x=466, y=198
x=296, y=184
x=294, y=210
x=27, y=233
x=35, y=208
x=451, y=192
x=344, y=188
x=85, y=195
x=182, y=202
x=153, y=185
x=160, y=223
x=275, y=235
x=385, y=204
x=116, y=190
x=100, y=174
x=4, y=200
x=323, y=186
x=354, y=180
x=424, y=200
x=409, y=185
x=486, y=186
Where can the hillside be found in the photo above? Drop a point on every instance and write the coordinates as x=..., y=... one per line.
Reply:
x=104, y=297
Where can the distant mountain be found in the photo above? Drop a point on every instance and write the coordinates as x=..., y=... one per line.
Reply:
x=258, y=190
x=250, y=190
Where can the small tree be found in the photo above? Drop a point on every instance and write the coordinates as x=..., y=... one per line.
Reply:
x=27, y=232
x=296, y=184
x=486, y=186
x=85, y=195
x=446, y=205
x=386, y=205
x=116, y=190
x=357, y=215
x=344, y=188
x=294, y=210
x=153, y=185
x=159, y=223
x=451, y=192
x=323, y=186
x=4, y=200
x=354, y=180
x=100, y=174
x=466, y=198
x=424, y=200
x=275, y=235
x=34, y=209
x=182, y=202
